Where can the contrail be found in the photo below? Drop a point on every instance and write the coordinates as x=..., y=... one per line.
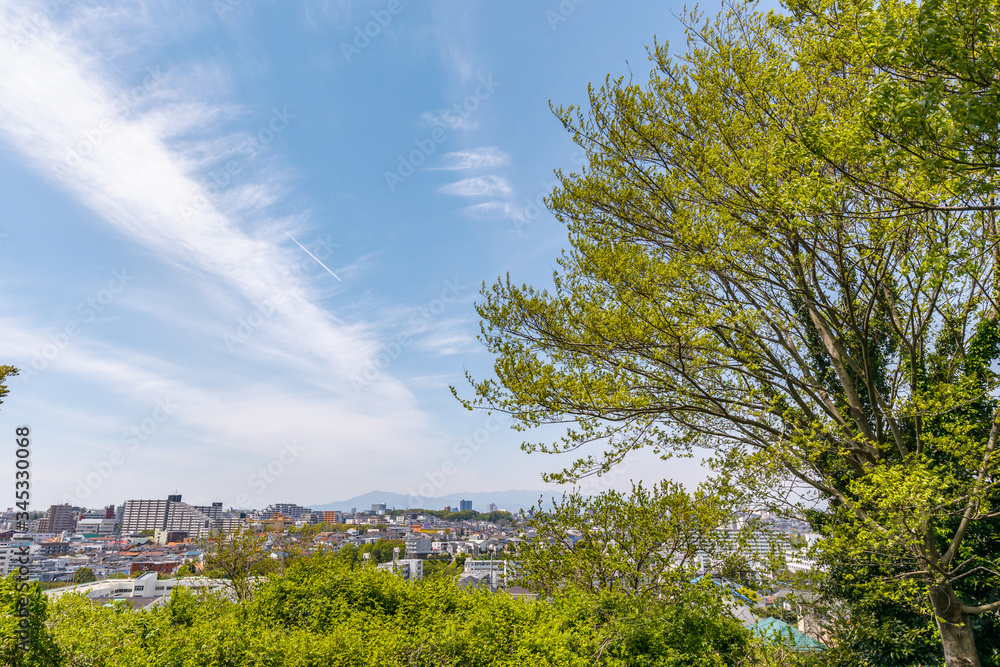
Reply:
x=313, y=256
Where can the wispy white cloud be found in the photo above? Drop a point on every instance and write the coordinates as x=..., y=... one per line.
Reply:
x=456, y=343
x=144, y=164
x=479, y=158
x=59, y=108
x=317, y=13
x=430, y=381
x=222, y=424
x=478, y=186
x=454, y=36
x=499, y=209
x=356, y=267
x=448, y=119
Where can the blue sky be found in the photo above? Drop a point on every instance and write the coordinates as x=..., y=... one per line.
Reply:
x=243, y=239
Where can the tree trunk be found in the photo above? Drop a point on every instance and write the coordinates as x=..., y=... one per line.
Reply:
x=953, y=624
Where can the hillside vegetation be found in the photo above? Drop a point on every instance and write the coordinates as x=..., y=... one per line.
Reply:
x=323, y=612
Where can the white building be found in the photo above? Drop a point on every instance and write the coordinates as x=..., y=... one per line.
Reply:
x=9, y=560
x=147, y=585
x=408, y=568
x=99, y=527
x=761, y=548
x=499, y=573
x=798, y=560
x=444, y=547
x=288, y=509
x=171, y=515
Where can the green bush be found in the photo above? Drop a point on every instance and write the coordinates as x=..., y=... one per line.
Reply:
x=23, y=607
x=322, y=611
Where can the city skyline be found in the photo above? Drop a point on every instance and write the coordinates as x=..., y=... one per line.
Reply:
x=482, y=501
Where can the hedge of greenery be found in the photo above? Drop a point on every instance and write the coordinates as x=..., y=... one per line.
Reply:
x=323, y=612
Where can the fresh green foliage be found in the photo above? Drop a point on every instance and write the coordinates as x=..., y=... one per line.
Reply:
x=322, y=612
x=187, y=570
x=644, y=544
x=241, y=558
x=49, y=585
x=469, y=515
x=6, y=372
x=381, y=552
x=22, y=607
x=929, y=115
x=441, y=568
x=83, y=575
x=784, y=249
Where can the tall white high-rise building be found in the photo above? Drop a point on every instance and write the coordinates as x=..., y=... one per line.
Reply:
x=171, y=515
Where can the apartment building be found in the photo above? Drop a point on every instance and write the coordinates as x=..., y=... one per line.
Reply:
x=407, y=568
x=9, y=558
x=288, y=509
x=60, y=518
x=417, y=546
x=172, y=515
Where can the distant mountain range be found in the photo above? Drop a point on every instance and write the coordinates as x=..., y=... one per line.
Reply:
x=507, y=500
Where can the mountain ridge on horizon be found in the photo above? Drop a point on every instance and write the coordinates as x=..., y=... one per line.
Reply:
x=511, y=500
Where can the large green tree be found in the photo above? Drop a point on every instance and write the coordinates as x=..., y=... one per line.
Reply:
x=647, y=543
x=773, y=256
x=241, y=557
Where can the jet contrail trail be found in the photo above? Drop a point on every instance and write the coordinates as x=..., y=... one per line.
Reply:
x=313, y=256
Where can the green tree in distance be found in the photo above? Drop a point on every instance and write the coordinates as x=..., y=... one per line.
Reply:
x=83, y=575
x=773, y=258
x=239, y=557
x=643, y=544
x=380, y=551
x=186, y=570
